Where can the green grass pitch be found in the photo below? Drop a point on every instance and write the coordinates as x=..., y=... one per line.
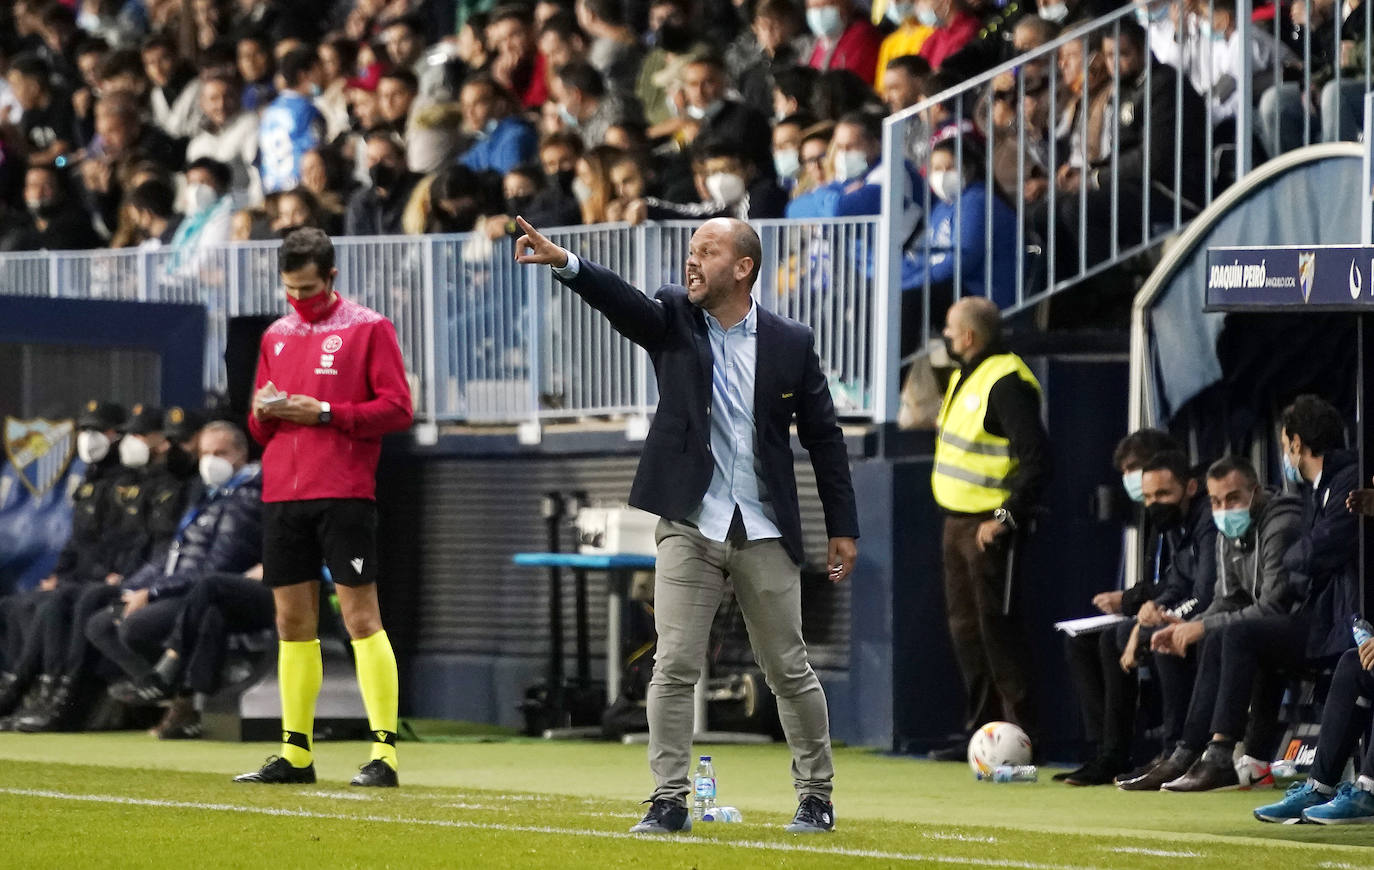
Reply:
x=127, y=801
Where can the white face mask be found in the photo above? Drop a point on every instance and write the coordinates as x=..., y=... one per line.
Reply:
x=133, y=452
x=787, y=162
x=696, y=113
x=92, y=446
x=215, y=470
x=1055, y=12
x=899, y=12
x=825, y=21
x=726, y=187
x=850, y=164
x=199, y=197
x=582, y=190
x=946, y=185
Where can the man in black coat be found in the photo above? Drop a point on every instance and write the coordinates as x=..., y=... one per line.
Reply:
x=1168, y=184
x=717, y=467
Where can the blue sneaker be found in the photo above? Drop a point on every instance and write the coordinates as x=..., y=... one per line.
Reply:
x=1300, y=796
x=1350, y=806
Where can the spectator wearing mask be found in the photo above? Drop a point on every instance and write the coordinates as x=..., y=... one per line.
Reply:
x=254, y=59
x=228, y=134
x=47, y=122
x=378, y=210
x=586, y=106
x=291, y=125
x=915, y=22
x=615, y=50
x=783, y=41
x=844, y=39
x=1310, y=626
x=1256, y=528
x=712, y=117
x=503, y=139
x=949, y=259
x=209, y=209
x=52, y=220
x=154, y=206
x=516, y=65
x=787, y=138
x=732, y=188
x=955, y=26
x=175, y=89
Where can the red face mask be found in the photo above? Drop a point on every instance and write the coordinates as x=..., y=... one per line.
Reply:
x=314, y=309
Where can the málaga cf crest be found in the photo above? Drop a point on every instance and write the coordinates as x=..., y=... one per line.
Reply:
x=40, y=451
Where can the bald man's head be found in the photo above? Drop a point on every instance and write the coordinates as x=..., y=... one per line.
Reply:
x=972, y=325
x=747, y=244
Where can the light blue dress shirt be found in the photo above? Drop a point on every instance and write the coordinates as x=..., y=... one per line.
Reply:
x=736, y=480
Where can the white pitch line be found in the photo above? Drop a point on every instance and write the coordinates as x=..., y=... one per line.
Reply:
x=1157, y=853
x=538, y=829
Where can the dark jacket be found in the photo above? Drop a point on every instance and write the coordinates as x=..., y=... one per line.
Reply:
x=1252, y=579
x=83, y=558
x=370, y=215
x=1163, y=108
x=1185, y=575
x=676, y=464
x=1323, y=563
x=222, y=534
x=742, y=126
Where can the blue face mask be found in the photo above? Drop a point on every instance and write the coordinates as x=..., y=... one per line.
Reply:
x=1290, y=472
x=1134, y=481
x=825, y=21
x=1233, y=523
x=927, y=16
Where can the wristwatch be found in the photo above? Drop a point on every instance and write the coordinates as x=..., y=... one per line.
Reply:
x=325, y=414
x=1003, y=516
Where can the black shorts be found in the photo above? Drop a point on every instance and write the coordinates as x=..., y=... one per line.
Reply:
x=300, y=536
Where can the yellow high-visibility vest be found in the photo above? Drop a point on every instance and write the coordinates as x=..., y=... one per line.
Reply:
x=971, y=465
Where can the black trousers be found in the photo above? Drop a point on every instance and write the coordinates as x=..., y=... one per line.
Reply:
x=1108, y=695
x=1176, y=677
x=80, y=657
x=134, y=642
x=1239, y=686
x=217, y=606
x=1345, y=718
x=22, y=642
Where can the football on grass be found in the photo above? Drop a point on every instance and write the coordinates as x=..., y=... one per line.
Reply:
x=996, y=744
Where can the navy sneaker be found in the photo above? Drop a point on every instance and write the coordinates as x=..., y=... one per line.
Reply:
x=665, y=816
x=377, y=774
x=815, y=815
x=279, y=771
x=1351, y=806
x=1300, y=796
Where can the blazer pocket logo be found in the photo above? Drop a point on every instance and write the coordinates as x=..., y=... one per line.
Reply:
x=788, y=395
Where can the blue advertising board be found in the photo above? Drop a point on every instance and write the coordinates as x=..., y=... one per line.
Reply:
x=1325, y=277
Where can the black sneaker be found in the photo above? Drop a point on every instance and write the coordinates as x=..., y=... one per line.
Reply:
x=1098, y=772
x=1063, y=775
x=955, y=750
x=815, y=815
x=378, y=774
x=1167, y=770
x=144, y=692
x=665, y=816
x=279, y=771
x=1206, y=774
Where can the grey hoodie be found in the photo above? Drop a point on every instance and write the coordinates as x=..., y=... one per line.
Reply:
x=1251, y=579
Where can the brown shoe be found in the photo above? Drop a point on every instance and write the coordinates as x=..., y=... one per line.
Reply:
x=1206, y=774
x=1167, y=770
x=182, y=721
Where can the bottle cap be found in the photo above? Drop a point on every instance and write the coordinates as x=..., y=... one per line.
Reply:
x=705, y=758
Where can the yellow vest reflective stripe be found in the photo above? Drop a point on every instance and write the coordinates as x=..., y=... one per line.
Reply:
x=971, y=465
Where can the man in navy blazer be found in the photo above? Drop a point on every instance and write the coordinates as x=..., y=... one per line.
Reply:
x=717, y=468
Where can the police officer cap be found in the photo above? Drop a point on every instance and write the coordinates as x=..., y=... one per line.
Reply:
x=144, y=419
x=179, y=424
x=100, y=415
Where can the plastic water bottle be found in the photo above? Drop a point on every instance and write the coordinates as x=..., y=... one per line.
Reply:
x=721, y=814
x=703, y=788
x=1360, y=627
x=1015, y=773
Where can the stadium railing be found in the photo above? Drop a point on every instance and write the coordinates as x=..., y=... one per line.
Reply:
x=487, y=340
x=1053, y=254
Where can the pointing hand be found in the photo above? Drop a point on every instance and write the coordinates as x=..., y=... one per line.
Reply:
x=542, y=252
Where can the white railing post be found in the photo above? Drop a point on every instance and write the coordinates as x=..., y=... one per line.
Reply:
x=1245, y=91
x=886, y=323
x=1367, y=193
x=429, y=378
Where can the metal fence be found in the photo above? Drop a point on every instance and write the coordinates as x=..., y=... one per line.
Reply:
x=486, y=340
x=1076, y=155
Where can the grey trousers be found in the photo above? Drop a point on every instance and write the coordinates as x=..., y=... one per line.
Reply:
x=689, y=584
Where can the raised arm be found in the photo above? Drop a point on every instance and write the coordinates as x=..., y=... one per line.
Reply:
x=634, y=315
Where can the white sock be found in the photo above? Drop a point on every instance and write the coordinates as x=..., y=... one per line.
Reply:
x=1320, y=787
x=1365, y=783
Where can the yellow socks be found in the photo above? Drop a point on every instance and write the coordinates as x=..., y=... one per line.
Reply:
x=300, y=671
x=378, y=683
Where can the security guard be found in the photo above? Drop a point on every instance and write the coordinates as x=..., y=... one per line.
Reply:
x=168, y=474
x=991, y=464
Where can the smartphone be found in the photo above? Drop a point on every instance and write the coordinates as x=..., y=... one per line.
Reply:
x=279, y=397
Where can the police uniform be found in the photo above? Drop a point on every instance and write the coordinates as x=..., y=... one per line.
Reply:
x=991, y=462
